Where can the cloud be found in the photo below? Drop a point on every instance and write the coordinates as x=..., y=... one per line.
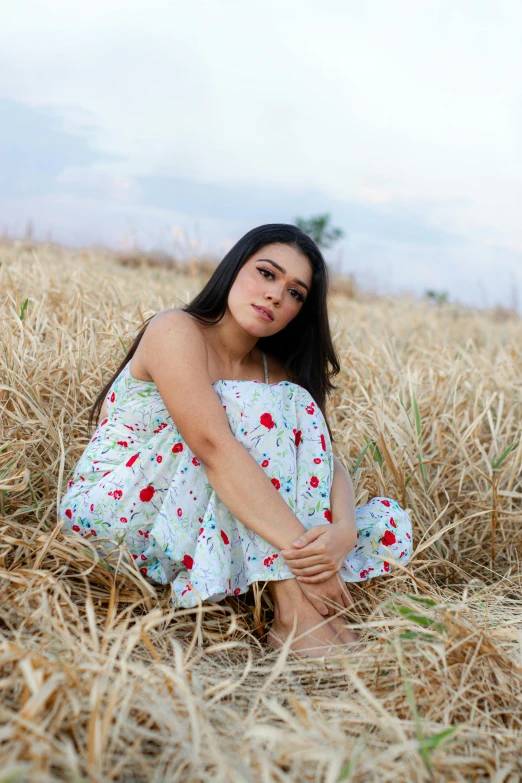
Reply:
x=36, y=148
x=402, y=119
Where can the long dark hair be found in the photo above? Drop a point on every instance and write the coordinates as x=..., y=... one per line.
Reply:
x=305, y=344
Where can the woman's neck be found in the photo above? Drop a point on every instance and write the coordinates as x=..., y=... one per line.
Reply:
x=235, y=349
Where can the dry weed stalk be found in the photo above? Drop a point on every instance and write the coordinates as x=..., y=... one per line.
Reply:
x=102, y=680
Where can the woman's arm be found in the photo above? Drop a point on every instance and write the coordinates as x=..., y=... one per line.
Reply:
x=342, y=498
x=175, y=356
x=319, y=553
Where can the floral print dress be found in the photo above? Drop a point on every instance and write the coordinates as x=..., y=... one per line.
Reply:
x=137, y=481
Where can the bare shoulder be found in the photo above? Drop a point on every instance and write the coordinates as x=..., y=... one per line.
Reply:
x=166, y=330
x=174, y=319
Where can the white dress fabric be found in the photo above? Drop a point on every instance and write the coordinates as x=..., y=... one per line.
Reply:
x=138, y=482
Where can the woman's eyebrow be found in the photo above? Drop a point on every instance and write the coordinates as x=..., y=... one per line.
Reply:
x=277, y=266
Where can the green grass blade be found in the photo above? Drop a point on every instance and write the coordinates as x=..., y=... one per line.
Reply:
x=361, y=456
x=423, y=472
x=23, y=310
x=123, y=346
x=421, y=600
x=419, y=619
x=434, y=741
x=376, y=454
x=496, y=463
x=417, y=418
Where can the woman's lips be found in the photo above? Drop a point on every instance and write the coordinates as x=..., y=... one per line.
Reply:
x=262, y=313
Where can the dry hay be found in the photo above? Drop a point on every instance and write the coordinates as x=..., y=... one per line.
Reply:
x=101, y=680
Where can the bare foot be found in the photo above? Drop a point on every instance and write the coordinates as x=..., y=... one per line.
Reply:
x=350, y=640
x=313, y=638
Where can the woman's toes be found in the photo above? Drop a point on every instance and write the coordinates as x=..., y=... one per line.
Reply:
x=345, y=636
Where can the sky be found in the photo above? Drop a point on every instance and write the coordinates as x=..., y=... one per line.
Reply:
x=180, y=126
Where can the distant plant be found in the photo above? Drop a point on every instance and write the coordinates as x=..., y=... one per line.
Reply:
x=318, y=229
x=439, y=297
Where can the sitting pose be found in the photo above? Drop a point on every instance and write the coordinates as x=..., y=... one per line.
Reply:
x=212, y=458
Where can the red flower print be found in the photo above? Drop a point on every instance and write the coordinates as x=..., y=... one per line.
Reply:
x=237, y=591
x=143, y=557
x=276, y=483
x=402, y=553
x=177, y=447
x=76, y=528
x=393, y=522
x=180, y=512
x=317, y=460
x=113, y=397
x=147, y=494
x=94, y=533
x=117, y=494
x=201, y=530
x=266, y=420
x=314, y=481
x=363, y=574
x=104, y=422
x=92, y=506
x=135, y=557
x=196, y=462
x=408, y=536
x=123, y=443
x=106, y=473
x=328, y=515
x=188, y=562
x=130, y=462
x=129, y=427
x=298, y=437
x=124, y=520
x=385, y=503
x=68, y=513
x=388, y=538
x=267, y=562
x=143, y=570
x=386, y=566
x=323, y=442
x=224, y=536
x=159, y=458
x=264, y=464
x=71, y=482
x=310, y=408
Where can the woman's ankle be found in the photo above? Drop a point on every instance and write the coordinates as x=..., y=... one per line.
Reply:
x=290, y=602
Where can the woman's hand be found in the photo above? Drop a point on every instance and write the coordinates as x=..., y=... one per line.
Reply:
x=318, y=554
x=329, y=596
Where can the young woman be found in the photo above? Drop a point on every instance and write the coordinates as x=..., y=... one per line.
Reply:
x=212, y=457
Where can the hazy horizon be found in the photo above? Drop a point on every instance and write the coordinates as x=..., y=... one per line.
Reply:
x=403, y=122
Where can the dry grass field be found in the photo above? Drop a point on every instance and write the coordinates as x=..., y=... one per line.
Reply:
x=101, y=680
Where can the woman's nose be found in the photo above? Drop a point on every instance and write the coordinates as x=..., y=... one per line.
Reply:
x=274, y=295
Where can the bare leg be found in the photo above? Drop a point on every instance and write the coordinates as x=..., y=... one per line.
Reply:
x=290, y=602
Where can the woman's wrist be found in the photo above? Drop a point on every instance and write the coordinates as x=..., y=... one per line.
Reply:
x=349, y=529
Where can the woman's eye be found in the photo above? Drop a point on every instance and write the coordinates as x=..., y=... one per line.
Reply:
x=293, y=291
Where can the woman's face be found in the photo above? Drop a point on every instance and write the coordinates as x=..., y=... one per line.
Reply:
x=277, y=278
